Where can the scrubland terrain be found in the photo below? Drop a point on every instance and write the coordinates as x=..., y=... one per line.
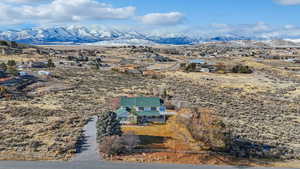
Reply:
x=260, y=109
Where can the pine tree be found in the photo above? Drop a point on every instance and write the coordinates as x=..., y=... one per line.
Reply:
x=12, y=68
x=108, y=125
x=11, y=63
x=50, y=64
x=3, y=67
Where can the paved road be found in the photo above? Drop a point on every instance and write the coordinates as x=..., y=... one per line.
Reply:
x=89, y=149
x=103, y=165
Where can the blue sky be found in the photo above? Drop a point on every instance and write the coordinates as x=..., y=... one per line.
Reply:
x=201, y=12
x=16, y=14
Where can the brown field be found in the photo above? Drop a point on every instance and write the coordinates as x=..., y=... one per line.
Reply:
x=45, y=122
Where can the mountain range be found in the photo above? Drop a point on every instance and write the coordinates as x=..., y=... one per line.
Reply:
x=111, y=36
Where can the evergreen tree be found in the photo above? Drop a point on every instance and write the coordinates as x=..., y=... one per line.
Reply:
x=12, y=68
x=3, y=67
x=50, y=64
x=108, y=125
x=11, y=63
x=14, y=44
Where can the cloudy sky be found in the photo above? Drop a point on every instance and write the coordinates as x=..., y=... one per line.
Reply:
x=222, y=14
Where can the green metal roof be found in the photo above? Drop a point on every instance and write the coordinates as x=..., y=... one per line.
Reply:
x=140, y=101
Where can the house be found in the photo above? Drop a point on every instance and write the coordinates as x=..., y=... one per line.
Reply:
x=38, y=65
x=199, y=65
x=44, y=73
x=198, y=61
x=141, y=110
x=22, y=73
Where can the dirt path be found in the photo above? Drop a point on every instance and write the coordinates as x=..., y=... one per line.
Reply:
x=89, y=149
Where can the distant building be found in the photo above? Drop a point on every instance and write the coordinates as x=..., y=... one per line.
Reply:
x=198, y=65
x=198, y=61
x=141, y=110
x=38, y=65
x=44, y=73
x=22, y=73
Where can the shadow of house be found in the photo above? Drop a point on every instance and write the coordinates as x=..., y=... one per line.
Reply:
x=244, y=148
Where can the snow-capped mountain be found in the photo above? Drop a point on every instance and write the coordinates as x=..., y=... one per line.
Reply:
x=108, y=36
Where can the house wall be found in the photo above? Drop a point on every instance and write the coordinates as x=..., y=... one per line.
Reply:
x=157, y=119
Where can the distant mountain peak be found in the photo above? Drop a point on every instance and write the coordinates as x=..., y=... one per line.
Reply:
x=78, y=34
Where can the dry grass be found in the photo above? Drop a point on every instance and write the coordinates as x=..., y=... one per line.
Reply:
x=180, y=140
x=21, y=58
x=288, y=164
x=154, y=130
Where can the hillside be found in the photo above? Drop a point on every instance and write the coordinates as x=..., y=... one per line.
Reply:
x=112, y=36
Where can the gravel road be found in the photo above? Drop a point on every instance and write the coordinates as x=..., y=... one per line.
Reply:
x=89, y=149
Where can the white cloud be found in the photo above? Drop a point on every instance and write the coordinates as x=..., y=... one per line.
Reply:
x=172, y=18
x=289, y=26
x=23, y=1
x=62, y=11
x=288, y=2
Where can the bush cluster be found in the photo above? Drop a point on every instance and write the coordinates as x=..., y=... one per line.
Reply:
x=208, y=129
x=10, y=67
x=242, y=69
x=111, y=138
x=116, y=145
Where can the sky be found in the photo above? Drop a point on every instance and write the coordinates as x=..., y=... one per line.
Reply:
x=257, y=15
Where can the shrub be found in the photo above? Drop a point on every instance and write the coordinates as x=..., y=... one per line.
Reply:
x=116, y=145
x=3, y=66
x=11, y=63
x=221, y=67
x=242, y=69
x=108, y=125
x=130, y=142
x=111, y=145
x=4, y=43
x=3, y=91
x=50, y=64
x=14, y=44
x=13, y=71
x=191, y=67
x=208, y=129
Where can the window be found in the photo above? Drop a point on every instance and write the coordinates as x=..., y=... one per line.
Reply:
x=153, y=109
x=162, y=109
x=141, y=108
